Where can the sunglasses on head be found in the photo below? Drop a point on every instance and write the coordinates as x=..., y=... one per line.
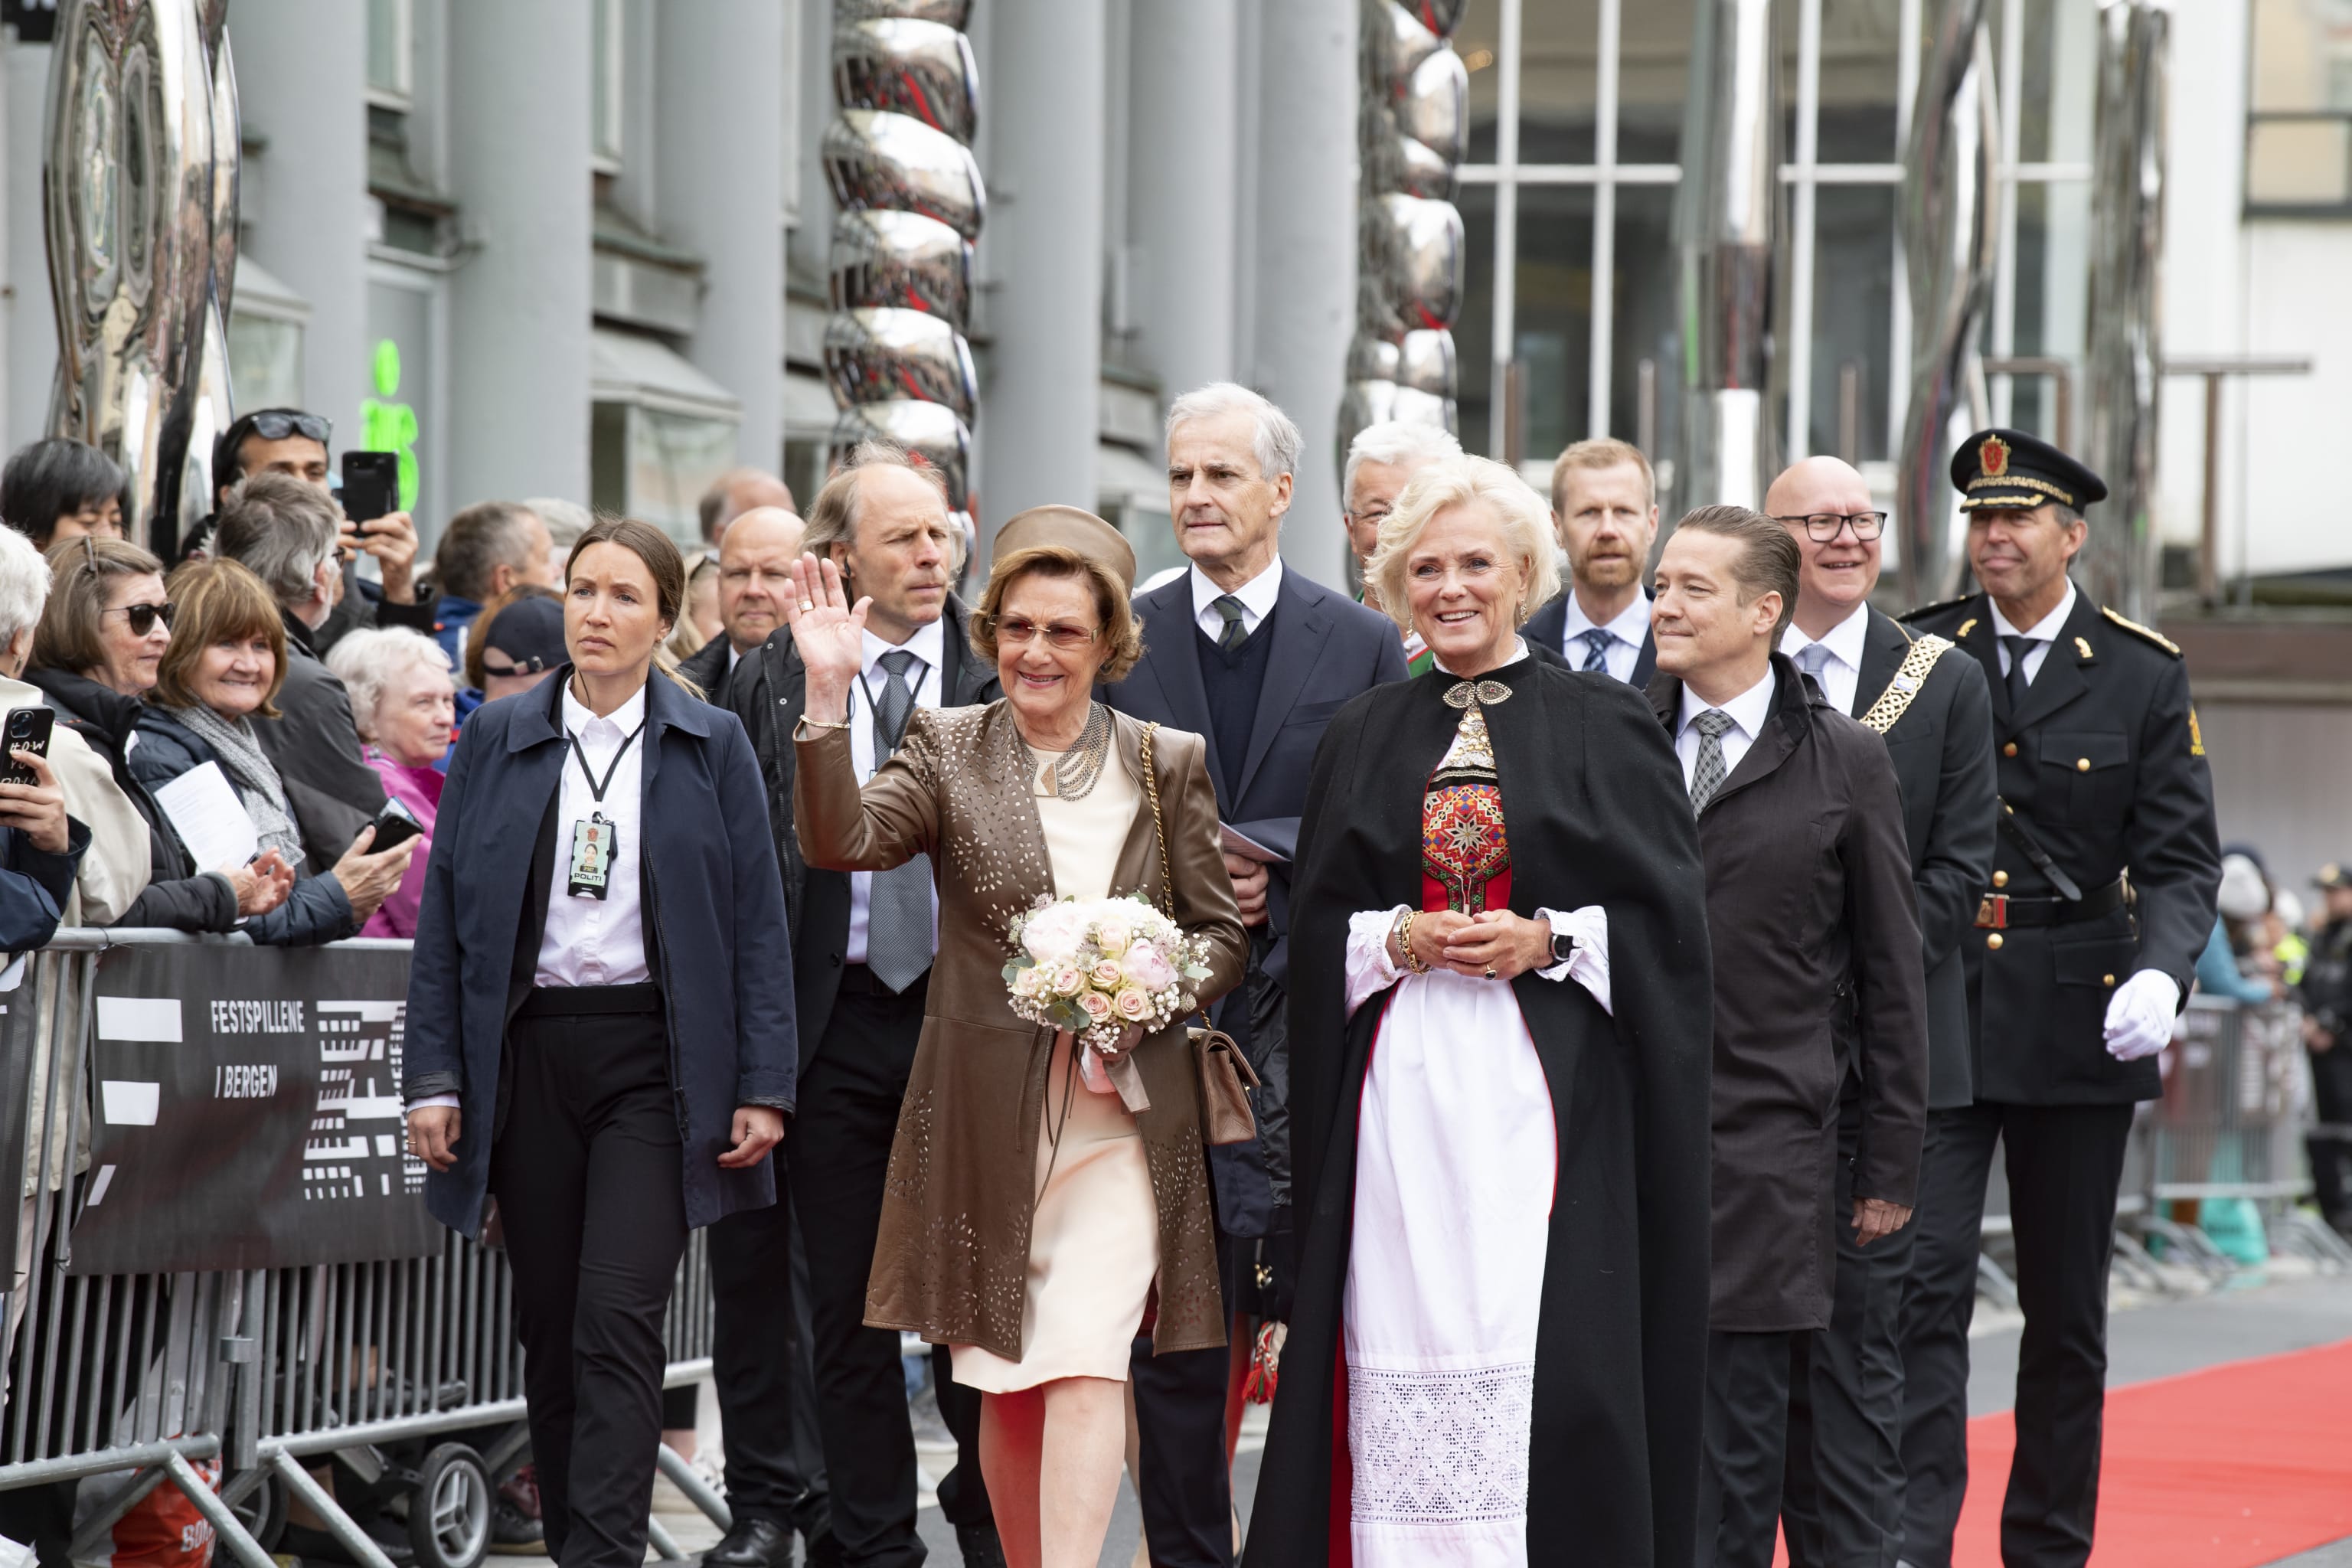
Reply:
x=276, y=425
x=531, y=666
x=143, y=617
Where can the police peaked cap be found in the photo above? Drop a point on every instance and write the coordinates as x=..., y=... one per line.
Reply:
x=2010, y=469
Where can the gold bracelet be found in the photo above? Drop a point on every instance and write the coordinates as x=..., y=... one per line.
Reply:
x=808, y=724
x=1404, y=943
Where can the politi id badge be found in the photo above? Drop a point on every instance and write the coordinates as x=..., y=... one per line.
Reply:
x=595, y=841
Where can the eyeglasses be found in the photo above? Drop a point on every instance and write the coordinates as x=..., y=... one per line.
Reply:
x=143, y=617
x=1821, y=527
x=1019, y=629
x=276, y=425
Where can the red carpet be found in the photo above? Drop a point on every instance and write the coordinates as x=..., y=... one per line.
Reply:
x=2232, y=1467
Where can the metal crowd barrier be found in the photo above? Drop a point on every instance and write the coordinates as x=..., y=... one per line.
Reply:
x=262, y=1369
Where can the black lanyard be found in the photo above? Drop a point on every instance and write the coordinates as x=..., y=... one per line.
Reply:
x=596, y=788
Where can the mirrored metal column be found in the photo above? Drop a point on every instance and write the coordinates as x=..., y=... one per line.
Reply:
x=139, y=186
x=1414, y=128
x=899, y=159
x=1951, y=232
x=2119, y=562
x=1725, y=214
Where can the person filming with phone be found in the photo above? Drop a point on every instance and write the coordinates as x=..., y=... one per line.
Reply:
x=406, y=701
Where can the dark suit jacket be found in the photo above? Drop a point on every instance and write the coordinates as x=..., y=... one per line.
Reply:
x=1809, y=914
x=2105, y=768
x=716, y=934
x=768, y=691
x=314, y=744
x=1548, y=625
x=1942, y=750
x=707, y=668
x=1327, y=649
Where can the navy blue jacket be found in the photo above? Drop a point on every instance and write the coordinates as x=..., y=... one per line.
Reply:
x=35, y=884
x=719, y=949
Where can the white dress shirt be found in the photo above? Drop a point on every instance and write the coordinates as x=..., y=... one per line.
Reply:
x=1842, y=670
x=2043, y=632
x=1748, y=711
x=1257, y=596
x=1626, y=634
x=599, y=942
x=929, y=645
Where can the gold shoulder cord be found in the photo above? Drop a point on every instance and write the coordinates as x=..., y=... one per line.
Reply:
x=1909, y=681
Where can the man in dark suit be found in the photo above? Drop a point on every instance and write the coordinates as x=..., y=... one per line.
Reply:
x=862, y=948
x=755, y=571
x=1257, y=659
x=1811, y=913
x=1842, y=1503
x=1604, y=508
x=2085, y=939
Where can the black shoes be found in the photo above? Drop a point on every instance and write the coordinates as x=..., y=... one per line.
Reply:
x=979, y=1546
x=752, y=1543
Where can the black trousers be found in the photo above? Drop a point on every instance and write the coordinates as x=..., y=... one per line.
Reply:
x=762, y=1370
x=840, y=1153
x=1842, y=1496
x=2065, y=1165
x=1187, y=1494
x=587, y=1173
x=1746, y=1428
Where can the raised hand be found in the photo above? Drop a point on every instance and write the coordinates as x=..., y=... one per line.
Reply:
x=829, y=632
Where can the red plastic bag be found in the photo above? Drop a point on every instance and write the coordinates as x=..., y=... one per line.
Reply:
x=162, y=1530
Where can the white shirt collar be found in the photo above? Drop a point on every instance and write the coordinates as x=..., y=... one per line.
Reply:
x=1631, y=625
x=1257, y=594
x=2046, y=629
x=1843, y=640
x=929, y=643
x=1518, y=652
x=582, y=722
x=1748, y=709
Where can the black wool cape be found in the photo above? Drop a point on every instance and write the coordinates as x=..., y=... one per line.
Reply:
x=1595, y=809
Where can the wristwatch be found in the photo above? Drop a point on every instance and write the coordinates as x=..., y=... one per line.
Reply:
x=1563, y=948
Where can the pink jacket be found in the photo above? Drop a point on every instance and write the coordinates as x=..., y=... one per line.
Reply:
x=419, y=789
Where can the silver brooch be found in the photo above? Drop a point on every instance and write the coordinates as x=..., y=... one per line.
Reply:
x=1460, y=694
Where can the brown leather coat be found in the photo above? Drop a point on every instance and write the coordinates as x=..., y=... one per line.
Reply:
x=954, y=1253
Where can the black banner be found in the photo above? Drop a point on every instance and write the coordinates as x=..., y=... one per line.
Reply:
x=16, y=1019
x=245, y=1113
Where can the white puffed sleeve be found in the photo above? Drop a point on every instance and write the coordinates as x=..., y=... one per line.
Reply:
x=1369, y=969
x=1587, y=965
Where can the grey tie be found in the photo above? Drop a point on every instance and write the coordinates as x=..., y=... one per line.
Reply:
x=1811, y=658
x=1236, y=633
x=1707, y=776
x=898, y=907
x=1596, y=650
x=2017, y=680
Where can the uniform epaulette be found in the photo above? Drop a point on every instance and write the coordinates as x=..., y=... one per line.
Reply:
x=2148, y=634
x=1931, y=609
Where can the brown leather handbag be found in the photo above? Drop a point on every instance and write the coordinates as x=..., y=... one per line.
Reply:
x=1221, y=1071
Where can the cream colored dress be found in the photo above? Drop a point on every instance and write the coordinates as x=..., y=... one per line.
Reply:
x=1094, y=1244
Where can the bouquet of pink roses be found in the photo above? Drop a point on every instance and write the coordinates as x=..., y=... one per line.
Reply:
x=1109, y=970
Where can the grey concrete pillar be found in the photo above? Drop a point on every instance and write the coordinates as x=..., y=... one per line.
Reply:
x=1306, y=259
x=30, y=341
x=300, y=66
x=1185, y=216
x=1041, y=417
x=518, y=304
x=721, y=150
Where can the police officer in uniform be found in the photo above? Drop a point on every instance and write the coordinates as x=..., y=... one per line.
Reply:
x=2105, y=876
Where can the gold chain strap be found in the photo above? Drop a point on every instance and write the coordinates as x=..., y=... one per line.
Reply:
x=1910, y=680
x=1159, y=828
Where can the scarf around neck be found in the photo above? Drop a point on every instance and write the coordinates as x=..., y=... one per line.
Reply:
x=252, y=773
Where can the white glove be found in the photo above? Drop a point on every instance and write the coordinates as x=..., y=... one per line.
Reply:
x=2140, y=1015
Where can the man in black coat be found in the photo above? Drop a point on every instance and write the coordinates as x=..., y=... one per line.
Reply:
x=1816, y=941
x=2085, y=941
x=1604, y=510
x=283, y=529
x=1843, y=1499
x=862, y=947
x=755, y=566
x=1257, y=659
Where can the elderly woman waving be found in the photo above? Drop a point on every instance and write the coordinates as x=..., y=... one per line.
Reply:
x=1498, y=1077
x=1027, y=1220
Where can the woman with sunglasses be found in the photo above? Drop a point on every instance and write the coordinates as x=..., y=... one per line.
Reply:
x=96, y=654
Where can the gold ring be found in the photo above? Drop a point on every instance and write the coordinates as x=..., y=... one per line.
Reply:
x=807, y=605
